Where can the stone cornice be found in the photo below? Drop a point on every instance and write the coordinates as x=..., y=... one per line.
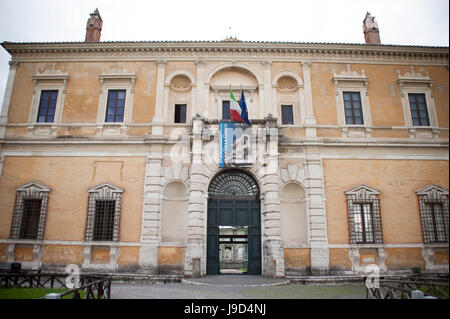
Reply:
x=260, y=50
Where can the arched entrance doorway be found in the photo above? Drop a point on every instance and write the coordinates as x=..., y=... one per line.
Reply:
x=234, y=221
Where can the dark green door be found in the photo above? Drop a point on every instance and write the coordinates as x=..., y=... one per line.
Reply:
x=227, y=212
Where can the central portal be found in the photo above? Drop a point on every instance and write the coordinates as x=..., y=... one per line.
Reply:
x=233, y=225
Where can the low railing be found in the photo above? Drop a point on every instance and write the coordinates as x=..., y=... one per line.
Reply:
x=100, y=289
x=90, y=286
x=423, y=285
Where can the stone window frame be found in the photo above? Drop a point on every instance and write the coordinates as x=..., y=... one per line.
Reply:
x=433, y=194
x=294, y=96
x=103, y=191
x=417, y=83
x=351, y=81
x=178, y=95
x=119, y=81
x=222, y=93
x=31, y=190
x=47, y=82
x=363, y=194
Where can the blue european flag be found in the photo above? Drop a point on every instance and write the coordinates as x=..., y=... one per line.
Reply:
x=244, y=112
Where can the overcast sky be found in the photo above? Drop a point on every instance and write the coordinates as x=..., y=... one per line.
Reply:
x=408, y=22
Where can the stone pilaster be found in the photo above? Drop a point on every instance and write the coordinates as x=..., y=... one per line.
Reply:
x=200, y=92
x=318, y=238
x=195, y=248
x=310, y=120
x=273, y=250
x=266, y=102
x=158, y=118
x=151, y=216
x=7, y=97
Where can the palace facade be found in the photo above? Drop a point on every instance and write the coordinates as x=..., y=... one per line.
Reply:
x=109, y=156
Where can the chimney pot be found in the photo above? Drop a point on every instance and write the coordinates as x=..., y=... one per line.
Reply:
x=94, y=27
x=371, y=31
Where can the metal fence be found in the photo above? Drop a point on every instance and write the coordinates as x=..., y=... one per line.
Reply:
x=433, y=286
x=90, y=286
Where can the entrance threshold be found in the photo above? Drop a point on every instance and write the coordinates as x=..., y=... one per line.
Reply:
x=235, y=281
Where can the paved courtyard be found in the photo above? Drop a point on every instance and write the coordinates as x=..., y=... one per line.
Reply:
x=234, y=287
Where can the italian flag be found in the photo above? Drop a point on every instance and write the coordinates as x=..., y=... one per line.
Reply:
x=235, y=109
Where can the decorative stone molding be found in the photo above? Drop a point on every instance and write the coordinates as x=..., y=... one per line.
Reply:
x=293, y=75
x=293, y=174
x=42, y=130
x=295, y=51
x=354, y=254
x=172, y=75
x=10, y=252
x=433, y=193
x=363, y=193
x=225, y=65
x=13, y=65
x=112, y=129
x=350, y=76
x=413, y=77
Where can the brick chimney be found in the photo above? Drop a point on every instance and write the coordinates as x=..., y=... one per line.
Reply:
x=371, y=31
x=94, y=27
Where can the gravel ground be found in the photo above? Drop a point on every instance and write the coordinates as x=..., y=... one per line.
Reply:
x=183, y=291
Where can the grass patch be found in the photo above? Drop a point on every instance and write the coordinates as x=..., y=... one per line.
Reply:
x=27, y=293
x=35, y=293
x=438, y=294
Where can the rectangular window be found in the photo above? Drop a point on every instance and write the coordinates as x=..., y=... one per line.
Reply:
x=47, y=106
x=115, y=106
x=226, y=115
x=104, y=219
x=287, y=115
x=419, y=111
x=180, y=113
x=30, y=218
x=363, y=223
x=353, y=109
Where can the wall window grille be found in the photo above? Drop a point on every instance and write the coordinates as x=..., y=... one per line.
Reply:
x=287, y=114
x=433, y=203
x=180, y=113
x=419, y=110
x=30, y=218
x=30, y=210
x=364, y=217
x=103, y=216
x=115, y=106
x=353, y=108
x=47, y=106
x=104, y=220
